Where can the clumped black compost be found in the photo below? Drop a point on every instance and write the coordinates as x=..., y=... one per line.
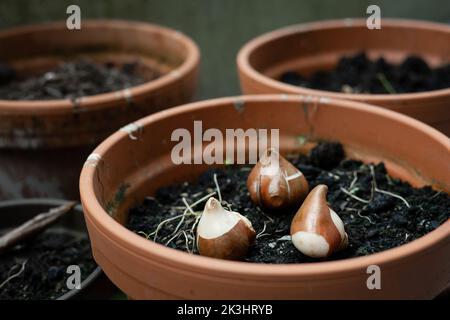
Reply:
x=37, y=269
x=390, y=214
x=358, y=74
x=70, y=80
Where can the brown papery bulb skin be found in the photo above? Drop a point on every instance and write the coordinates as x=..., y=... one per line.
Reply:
x=276, y=186
x=233, y=245
x=223, y=234
x=316, y=230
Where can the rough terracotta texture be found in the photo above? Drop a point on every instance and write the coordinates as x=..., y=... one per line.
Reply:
x=44, y=143
x=122, y=171
x=310, y=47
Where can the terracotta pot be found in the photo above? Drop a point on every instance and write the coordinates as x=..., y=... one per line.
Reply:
x=317, y=46
x=16, y=212
x=44, y=143
x=122, y=171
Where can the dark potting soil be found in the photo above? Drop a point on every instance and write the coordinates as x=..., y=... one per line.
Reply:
x=70, y=80
x=358, y=74
x=44, y=260
x=379, y=222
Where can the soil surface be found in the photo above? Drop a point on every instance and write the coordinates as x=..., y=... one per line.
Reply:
x=384, y=222
x=70, y=80
x=358, y=74
x=44, y=261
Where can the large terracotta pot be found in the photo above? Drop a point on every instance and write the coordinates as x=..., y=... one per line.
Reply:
x=316, y=46
x=122, y=171
x=44, y=143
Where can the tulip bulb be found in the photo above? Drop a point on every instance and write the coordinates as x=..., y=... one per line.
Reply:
x=316, y=230
x=275, y=185
x=223, y=234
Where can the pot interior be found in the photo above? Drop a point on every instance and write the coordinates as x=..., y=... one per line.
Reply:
x=132, y=166
x=319, y=47
x=15, y=212
x=35, y=49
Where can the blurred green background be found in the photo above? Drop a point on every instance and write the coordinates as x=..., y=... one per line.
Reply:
x=220, y=27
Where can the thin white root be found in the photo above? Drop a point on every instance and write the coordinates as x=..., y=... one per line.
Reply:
x=173, y=238
x=393, y=195
x=219, y=194
x=435, y=195
x=155, y=233
x=355, y=178
x=187, y=241
x=285, y=238
x=188, y=210
x=22, y=268
x=187, y=205
x=262, y=231
x=209, y=195
x=372, y=172
x=365, y=217
x=180, y=223
x=144, y=234
x=265, y=215
x=353, y=196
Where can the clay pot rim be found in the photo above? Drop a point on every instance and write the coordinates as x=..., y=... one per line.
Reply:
x=158, y=253
x=107, y=99
x=53, y=202
x=245, y=67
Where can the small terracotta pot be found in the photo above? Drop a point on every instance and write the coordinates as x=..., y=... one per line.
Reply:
x=16, y=212
x=44, y=143
x=122, y=171
x=317, y=46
